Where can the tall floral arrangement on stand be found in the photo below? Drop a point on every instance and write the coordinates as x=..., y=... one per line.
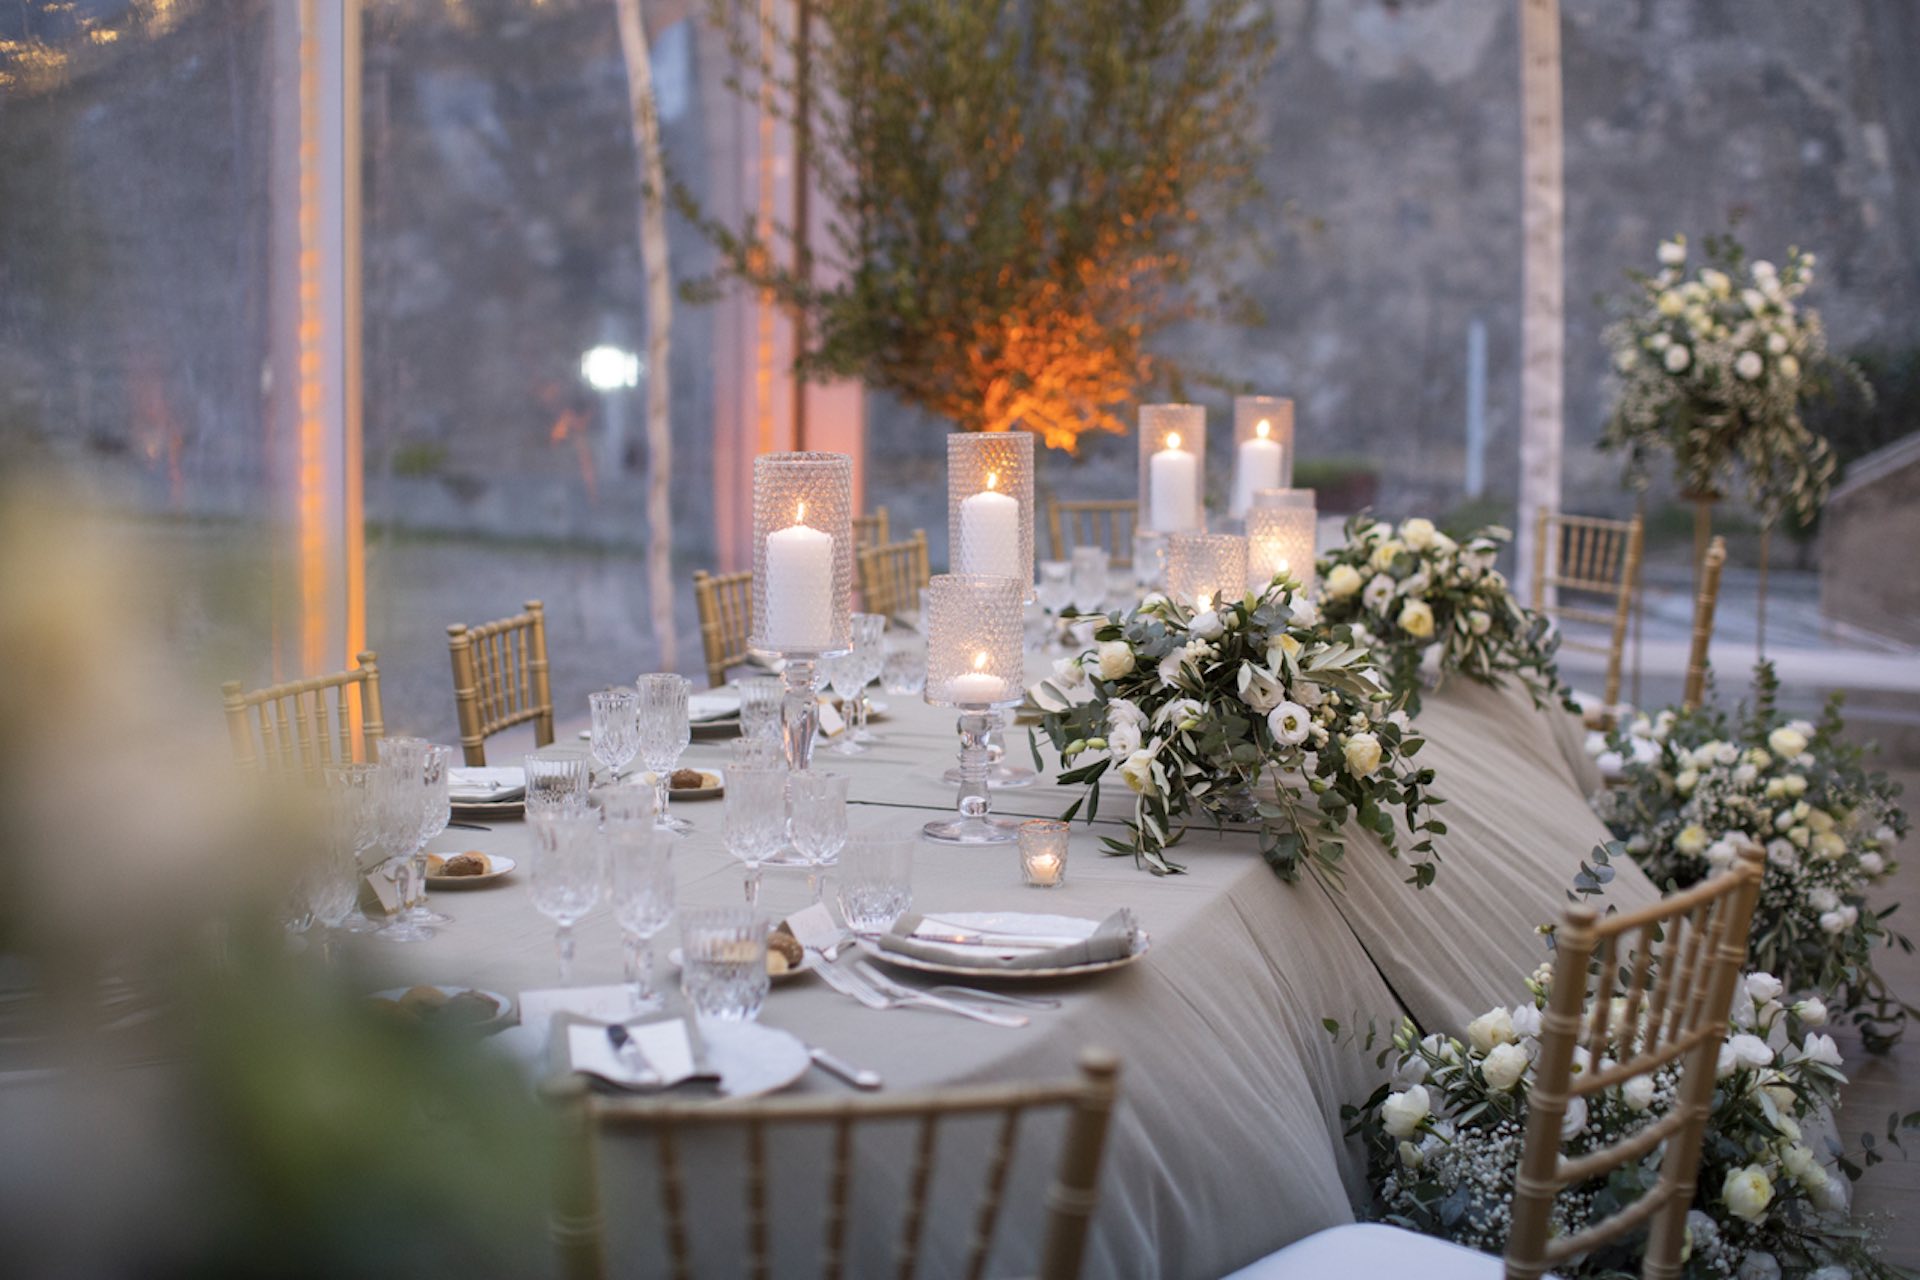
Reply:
x=1444, y=1137
x=1713, y=368
x=1252, y=711
x=1413, y=594
x=1694, y=785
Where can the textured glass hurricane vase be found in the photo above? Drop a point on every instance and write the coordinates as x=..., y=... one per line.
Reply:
x=1173, y=468
x=974, y=664
x=990, y=504
x=1202, y=567
x=1262, y=448
x=1282, y=535
x=802, y=578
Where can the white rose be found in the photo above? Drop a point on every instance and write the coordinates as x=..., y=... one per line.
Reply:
x=1677, y=358
x=1747, y=1192
x=1402, y=1112
x=1762, y=987
x=1685, y=781
x=1834, y=922
x=1343, y=581
x=1749, y=365
x=1114, y=658
x=1794, y=784
x=1383, y=554
x=1669, y=303
x=1416, y=619
x=1750, y=1050
x=1494, y=1027
x=1754, y=300
x=1575, y=1120
x=1673, y=252
x=1418, y=533
x=1829, y=845
x=1479, y=622
x=1812, y=1011
x=1718, y=283
x=1777, y=343
x=1303, y=613
x=1207, y=625
x=1787, y=741
x=1504, y=1066
x=1789, y=367
x=1258, y=688
x=1362, y=752
x=1138, y=773
x=1692, y=840
x=1289, y=723
x=1872, y=863
x=1797, y=1160
x=1637, y=1093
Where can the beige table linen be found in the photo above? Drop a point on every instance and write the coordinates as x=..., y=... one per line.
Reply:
x=1228, y=1142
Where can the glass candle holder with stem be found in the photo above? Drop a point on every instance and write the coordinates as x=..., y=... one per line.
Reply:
x=802, y=578
x=990, y=504
x=557, y=778
x=665, y=731
x=568, y=874
x=753, y=817
x=436, y=810
x=401, y=815
x=870, y=650
x=974, y=664
x=1205, y=568
x=615, y=732
x=353, y=788
x=819, y=803
x=1002, y=774
x=639, y=860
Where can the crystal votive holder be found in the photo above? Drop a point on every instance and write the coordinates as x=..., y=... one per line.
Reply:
x=1043, y=852
x=1282, y=533
x=990, y=504
x=1203, y=568
x=975, y=664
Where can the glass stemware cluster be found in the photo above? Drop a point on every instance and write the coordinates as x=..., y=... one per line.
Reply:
x=851, y=672
x=411, y=807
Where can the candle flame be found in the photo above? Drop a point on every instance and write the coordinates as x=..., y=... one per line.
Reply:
x=1173, y=439
x=980, y=661
x=800, y=514
x=993, y=479
x=1261, y=428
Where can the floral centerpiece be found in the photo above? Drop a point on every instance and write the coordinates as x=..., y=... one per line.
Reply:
x=1713, y=368
x=1694, y=785
x=1413, y=591
x=1254, y=710
x=1444, y=1138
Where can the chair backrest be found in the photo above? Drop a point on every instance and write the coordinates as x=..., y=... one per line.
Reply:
x=1102, y=524
x=1592, y=556
x=1703, y=609
x=870, y=530
x=1676, y=975
x=891, y=576
x=725, y=602
x=1088, y=1102
x=296, y=730
x=501, y=679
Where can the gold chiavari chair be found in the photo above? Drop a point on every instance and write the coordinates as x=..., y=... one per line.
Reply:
x=1704, y=605
x=1098, y=523
x=892, y=576
x=1678, y=966
x=296, y=733
x=870, y=530
x=1596, y=557
x=1088, y=1102
x=501, y=679
x=725, y=603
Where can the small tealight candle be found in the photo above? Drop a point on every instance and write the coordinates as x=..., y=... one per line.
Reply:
x=978, y=687
x=1043, y=852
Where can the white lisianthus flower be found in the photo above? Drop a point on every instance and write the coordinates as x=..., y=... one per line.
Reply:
x=1789, y=367
x=1762, y=987
x=1669, y=303
x=1379, y=593
x=1494, y=1027
x=1673, y=252
x=1479, y=621
x=1258, y=688
x=1402, y=1113
x=1410, y=1155
x=1282, y=647
x=1575, y=1120
x=1418, y=533
x=1691, y=841
x=1137, y=772
x=1747, y=1192
x=1069, y=674
x=1289, y=723
x=1794, y=784
x=1637, y=1093
x=1777, y=343
x=1123, y=739
x=1685, y=780
x=1749, y=365
x=1812, y=1011
x=1416, y=619
x=1505, y=1065
x=1343, y=581
x=1787, y=741
x=1821, y=1049
x=1305, y=613
x=1181, y=713
x=1829, y=845
x=1872, y=863
x=1382, y=558
x=1207, y=625
x=1114, y=659
x=1677, y=358
x=1526, y=1021
x=1758, y=1265
x=1718, y=283
x=1750, y=1050
x=1833, y=922
x=1362, y=751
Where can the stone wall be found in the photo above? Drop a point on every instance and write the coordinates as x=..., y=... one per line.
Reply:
x=1869, y=530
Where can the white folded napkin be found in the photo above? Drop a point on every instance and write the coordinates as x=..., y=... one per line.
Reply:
x=714, y=704
x=478, y=785
x=664, y=1047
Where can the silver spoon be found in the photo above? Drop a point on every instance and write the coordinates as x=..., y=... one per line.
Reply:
x=858, y=1077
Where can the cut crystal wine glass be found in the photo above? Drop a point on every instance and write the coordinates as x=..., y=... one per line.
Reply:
x=754, y=817
x=401, y=808
x=665, y=732
x=819, y=822
x=616, y=728
x=844, y=674
x=567, y=873
x=640, y=864
x=436, y=811
x=869, y=652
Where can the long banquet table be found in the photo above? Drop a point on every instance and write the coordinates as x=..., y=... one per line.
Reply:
x=1228, y=1142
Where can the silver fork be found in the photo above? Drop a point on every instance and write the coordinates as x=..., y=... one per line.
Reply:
x=897, y=994
x=993, y=997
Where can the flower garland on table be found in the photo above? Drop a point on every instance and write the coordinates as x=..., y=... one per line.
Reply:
x=1714, y=370
x=1197, y=710
x=1414, y=591
x=1695, y=785
x=1444, y=1137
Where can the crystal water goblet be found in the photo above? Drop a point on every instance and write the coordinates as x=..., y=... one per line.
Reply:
x=876, y=881
x=844, y=677
x=639, y=860
x=331, y=884
x=753, y=821
x=1053, y=593
x=665, y=732
x=819, y=822
x=616, y=728
x=760, y=702
x=568, y=872
x=557, y=778
x=870, y=654
x=402, y=808
x=1089, y=579
x=904, y=674
x=354, y=788
x=436, y=810
x=723, y=962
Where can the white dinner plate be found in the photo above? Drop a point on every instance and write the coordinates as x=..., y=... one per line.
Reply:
x=499, y=863
x=1020, y=922
x=503, y=1006
x=753, y=1059
x=715, y=785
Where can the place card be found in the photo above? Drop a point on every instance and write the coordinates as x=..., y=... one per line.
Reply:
x=831, y=721
x=664, y=1047
x=379, y=896
x=813, y=927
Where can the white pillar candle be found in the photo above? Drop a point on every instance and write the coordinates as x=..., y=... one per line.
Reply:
x=977, y=688
x=990, y=534
x=1173, y=481
x=1257, y=467
x=799, y=587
